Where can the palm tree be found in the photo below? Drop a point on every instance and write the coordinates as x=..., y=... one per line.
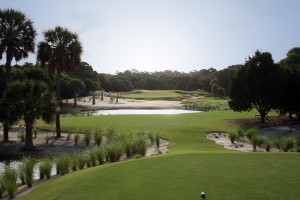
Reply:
x=31, y=98
x=91, y=85
x=76, y=85
x=60, y=51
x=17, y=40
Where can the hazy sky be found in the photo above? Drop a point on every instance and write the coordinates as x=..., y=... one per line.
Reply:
x=156, y=35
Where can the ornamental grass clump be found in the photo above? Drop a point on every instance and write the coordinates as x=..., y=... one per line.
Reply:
x=140, y=145
x=87, y=137
x=81, y=159
x=267, y=144
x=128, y=146
x=251, y=132
x=113, y=151
x=92, y=157
x=2, y=188
x=233, y=136
x=100, y=155
x=9, y=180
x=45, y=167
x=76, y=138
x=74, y=162
x=276, y=141
x=98, y=137
x=256, y=140
x=62, y=164
x=21, y=173
x=287, y=143
x=28, y=170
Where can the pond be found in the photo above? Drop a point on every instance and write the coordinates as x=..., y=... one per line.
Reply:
x=143, y=112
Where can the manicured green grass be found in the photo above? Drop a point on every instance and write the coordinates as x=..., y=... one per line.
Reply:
x=206, y=100
x=193, y=165
x=173, y=95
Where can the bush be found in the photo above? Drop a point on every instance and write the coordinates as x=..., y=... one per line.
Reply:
x=287, y=143
x=98, y=138
x=21, y=173
x=113, y=151
x=233, y=136
x=267, y=144
x=140, y=145
x=45, y=168
x=76, y=138
x=92, y=157
x=74, y=162
x=81, y=159
x=256, y=139
x=9, y=180
x=28, y=170
x=62, y=164
x=276, y=141
x=87, y=138
x=2, y=188
x=100, y=155
x=251, y=132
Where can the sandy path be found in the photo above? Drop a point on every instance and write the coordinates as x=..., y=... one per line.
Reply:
x=125, y=103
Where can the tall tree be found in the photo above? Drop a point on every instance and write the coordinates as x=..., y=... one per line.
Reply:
x=61, y=50
x=91, y=85
x=291, y=93
x=76, y=85
x=257, y=85
x=17, y=40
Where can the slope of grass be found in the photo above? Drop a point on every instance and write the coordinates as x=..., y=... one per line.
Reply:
x=194, y=164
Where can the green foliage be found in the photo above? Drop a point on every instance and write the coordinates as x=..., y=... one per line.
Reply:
x=252, y=132
x=87, y=137
x=287, y=143
x=9, y=180
x=267, y=144
x=45, y=167
x=28, y=170
x=92, y=157
x=82, y=160
x=100, y=152
x=21, y=173
x=76, y=138
x=157, y=140
x=233, y=136
x=98, y=137
x=256, y=140
x=113, y=151
x=62, y=164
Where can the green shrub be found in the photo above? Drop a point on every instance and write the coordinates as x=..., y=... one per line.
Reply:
x=233, y=136
x=87, y=138
x=2, y=188
x=240, y=133
x=140, y=145
x=29, y=170
x=45, y=168
x=100, y=155
x=73, y=162
x=81, y=159
x=251, y=132
x=267, y=144
x=275, y=141
x=92, y=157
x=21, y=173
x=256, y=139
x=128, y=146
x=113, y=151
x=9, y=180
x=287, y=143
x=98, y=137
x=62, y=164
x=76, y=138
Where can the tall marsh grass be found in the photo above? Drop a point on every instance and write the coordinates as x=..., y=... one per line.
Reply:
x=9, y=180
x=45, y=167
x=62, y=164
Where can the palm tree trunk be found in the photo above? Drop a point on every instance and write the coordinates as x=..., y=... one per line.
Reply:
x=9, y=58
x=57, y=115
x=94, y=102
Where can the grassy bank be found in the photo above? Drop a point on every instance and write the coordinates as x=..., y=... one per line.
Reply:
x=194, y=164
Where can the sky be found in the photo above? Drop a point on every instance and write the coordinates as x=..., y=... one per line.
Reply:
x=158, y=35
